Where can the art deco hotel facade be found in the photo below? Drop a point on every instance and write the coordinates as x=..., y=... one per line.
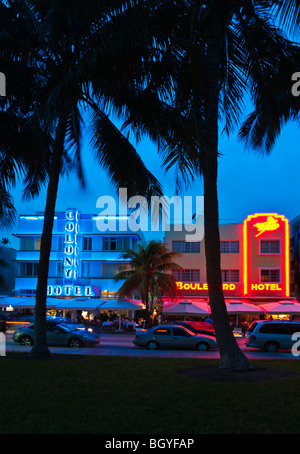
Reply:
x=255, y=258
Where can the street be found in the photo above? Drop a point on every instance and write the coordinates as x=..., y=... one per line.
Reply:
x=122, y=345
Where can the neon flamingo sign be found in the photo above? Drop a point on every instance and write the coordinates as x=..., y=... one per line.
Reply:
x=270, y=225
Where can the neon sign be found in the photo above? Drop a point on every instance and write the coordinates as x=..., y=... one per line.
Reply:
x=268, y=226
x=271, y=226
x=272, y=287
x=197, y=286
x=70, y=290
x=71, y=246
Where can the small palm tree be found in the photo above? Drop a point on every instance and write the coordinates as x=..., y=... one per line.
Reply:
x=150, y=274
x=4, y=241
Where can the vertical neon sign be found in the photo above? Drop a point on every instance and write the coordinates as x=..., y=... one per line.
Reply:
x=71, y=247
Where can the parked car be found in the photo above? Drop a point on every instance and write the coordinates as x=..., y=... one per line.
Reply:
x=196, y=327
x=170, y=336
x=58, y=335
x=271, y=336
x=66, y=320
x=6, y=317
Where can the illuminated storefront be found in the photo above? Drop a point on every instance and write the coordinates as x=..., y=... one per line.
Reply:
x=255, y=259
x=83, y=261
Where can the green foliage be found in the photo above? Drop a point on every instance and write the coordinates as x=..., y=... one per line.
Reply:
x=150, y=273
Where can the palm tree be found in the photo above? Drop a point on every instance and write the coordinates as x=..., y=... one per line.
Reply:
x=24, y=147
x=216, y=53
x=3, y=264
x=72, y=44
x=277, y=105
x=150, y=273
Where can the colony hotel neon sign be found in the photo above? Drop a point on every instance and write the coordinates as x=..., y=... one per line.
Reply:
x=70, y=261
x=71, y=246
x=70, y=290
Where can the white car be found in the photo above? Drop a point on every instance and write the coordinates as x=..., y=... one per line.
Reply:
x=178, y=337
x=271, y=336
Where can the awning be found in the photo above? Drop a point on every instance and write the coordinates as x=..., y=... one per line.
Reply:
x=122, y=304
x=5, y=301
x=79, y=304
x=282, y=307
x=29, y=303
x=186, y=308
x=239, y=307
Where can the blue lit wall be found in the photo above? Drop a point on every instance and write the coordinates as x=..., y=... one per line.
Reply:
x=79, y=264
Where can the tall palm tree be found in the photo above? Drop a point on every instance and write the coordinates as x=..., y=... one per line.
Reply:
x=150, y=273
x=24, y=147
x=217, y=54
x=79, y=56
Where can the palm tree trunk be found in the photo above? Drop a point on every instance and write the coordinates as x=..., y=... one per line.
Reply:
x=231, y=356
x=40, y=348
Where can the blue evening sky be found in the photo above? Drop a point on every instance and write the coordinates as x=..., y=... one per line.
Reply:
x=248, y=183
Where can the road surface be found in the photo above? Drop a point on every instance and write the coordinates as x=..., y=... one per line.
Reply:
x=122, y=345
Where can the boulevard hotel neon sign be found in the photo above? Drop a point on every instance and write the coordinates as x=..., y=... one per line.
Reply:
x=258, y=227
x=197, y=286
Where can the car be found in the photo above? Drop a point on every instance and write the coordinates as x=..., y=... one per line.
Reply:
x=54, y=318
x=7, y=318
x=58, y=320
x=58, y=335
x=196, y=327
x=170, y=336
x=271, y=336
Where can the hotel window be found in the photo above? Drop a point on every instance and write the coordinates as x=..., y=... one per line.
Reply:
x=270, y=246
x=116, y=243
x=228, y=247
x=272, y=275
x=187, y=275
x=108, y=269
x=59, y=269
x=29, y=269
x=60, y=243
x=86, y=269
x=122, y=267
x=27, y=292
x=30, y=243
x=230, y=275
x=87, y=243
x=190, y=247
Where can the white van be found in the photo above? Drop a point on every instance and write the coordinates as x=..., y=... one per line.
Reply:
x=271, y=336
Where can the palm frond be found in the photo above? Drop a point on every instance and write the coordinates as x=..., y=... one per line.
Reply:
x=119, y=158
